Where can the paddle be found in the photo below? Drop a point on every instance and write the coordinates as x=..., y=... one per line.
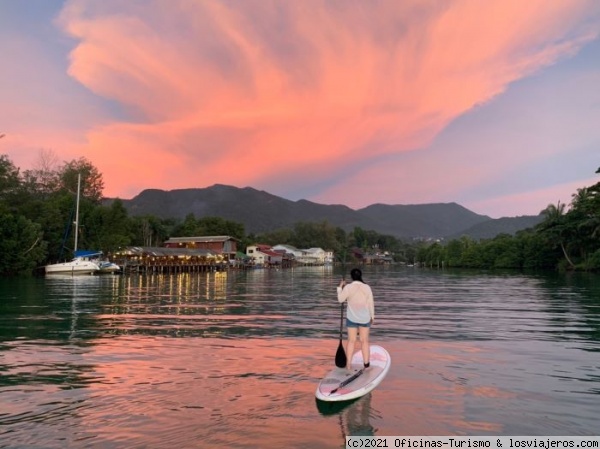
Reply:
x=340, y=356
x=347, y=381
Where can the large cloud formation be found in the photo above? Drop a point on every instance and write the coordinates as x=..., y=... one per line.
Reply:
x=313, y=97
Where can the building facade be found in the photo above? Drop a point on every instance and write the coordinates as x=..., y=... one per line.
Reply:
x=219, y=244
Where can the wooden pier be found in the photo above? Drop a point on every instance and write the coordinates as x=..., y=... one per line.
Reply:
x=168, y=260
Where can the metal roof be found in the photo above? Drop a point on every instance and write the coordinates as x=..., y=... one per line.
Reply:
x=160, y=251
x=207, y=239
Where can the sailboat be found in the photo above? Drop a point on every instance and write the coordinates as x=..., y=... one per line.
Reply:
x=81, y=263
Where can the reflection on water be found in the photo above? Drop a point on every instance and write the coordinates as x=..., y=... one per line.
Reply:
x=233, y=359
x=267, y=303
x=354, y=416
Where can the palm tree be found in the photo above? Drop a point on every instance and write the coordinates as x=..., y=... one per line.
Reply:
x=555, y=227
x=586, y=203
x=580, y=198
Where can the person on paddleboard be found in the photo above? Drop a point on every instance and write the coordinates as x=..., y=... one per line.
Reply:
x=360, y=315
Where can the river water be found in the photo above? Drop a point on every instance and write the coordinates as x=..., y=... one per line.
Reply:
x=233, y=359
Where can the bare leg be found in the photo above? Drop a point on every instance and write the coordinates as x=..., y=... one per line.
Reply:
x=351, y=342
x=364, y=340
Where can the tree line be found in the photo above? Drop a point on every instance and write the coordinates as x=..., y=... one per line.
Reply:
x=37, y=212
x=568, y=238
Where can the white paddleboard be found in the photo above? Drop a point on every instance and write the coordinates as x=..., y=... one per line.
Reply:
x=341, y=384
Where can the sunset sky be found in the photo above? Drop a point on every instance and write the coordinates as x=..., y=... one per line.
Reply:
x=494, y=105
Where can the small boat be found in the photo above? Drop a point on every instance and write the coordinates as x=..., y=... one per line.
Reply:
x=107, y=266
x=81, y=263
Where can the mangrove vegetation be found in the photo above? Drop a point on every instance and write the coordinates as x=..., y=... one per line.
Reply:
x=37, y=212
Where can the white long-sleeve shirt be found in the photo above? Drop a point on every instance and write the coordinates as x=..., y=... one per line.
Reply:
x=361, y=308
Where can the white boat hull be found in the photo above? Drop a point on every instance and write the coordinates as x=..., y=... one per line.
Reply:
x=76, y=266
x=109, y=267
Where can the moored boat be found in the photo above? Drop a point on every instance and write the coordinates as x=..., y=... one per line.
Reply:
x=82, y=262
x=107, y=266
x=78, y=265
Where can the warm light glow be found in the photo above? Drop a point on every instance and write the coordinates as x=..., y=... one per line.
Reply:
x=336, y=102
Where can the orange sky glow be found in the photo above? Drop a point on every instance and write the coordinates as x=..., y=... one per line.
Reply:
x=493, y=105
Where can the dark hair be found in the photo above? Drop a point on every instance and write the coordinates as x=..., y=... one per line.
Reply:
x=356, y=275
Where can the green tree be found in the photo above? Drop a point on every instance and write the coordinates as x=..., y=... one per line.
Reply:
x=56, y=215
x=284, y=236
x=536, y=252
x=454, y=250
x=21, y=246
x=191, y=227
x=556, y=229
x=9, y=182
x=315, y=235
x=92, y=183
x=150, y=230
x=43, y=179
x=585, y=213
x=434, y=255
x=472, y=257
x=358, y=237
x=506, y=252
x=341, y=248
x=220, y=226
x=110, y=227
x=188, y=228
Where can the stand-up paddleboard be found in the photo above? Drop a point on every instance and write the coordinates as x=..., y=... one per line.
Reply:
x=341, y=384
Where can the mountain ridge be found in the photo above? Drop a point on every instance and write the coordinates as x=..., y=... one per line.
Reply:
x=260, y=211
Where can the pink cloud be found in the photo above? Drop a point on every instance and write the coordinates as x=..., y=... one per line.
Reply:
x=265, y=92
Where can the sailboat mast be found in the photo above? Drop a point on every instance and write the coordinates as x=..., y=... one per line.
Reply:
x=77, y=210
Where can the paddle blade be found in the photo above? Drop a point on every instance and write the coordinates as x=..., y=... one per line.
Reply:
x=340, y=356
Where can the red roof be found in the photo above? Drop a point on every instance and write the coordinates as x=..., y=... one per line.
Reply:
x=268, y=252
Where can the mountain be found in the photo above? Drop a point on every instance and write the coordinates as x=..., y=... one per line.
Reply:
x=261, y=211
x=423, y=220
x=505, y=225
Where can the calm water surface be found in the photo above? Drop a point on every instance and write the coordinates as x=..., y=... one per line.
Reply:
x=233, y=359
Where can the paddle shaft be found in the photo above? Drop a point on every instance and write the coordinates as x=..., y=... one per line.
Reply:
x=342, y=305
x=341, y=321
x=341, y=359
x=347, y=381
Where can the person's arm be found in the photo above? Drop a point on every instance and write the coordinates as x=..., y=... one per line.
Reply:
x=371, y=302
x=342, y=293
